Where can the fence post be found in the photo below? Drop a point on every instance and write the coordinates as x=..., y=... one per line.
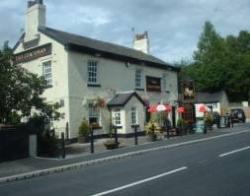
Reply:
x=33, y=145
x=135, y=133
x=92, y=150
x=115, y=134
x=67, y=131
x=205, y=129
x=63, y=145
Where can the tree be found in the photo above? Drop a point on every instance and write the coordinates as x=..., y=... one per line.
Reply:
x=239, y=66
x=209, y=60
x=222, y=63
x=21, y=91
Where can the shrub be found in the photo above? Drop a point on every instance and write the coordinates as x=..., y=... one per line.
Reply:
x=181, y=122
x=151, y=128
x=208, y=119
x=84, y=128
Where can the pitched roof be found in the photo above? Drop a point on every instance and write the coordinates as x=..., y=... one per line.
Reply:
x=105, y=49
x=121, y=99
x=205, y=97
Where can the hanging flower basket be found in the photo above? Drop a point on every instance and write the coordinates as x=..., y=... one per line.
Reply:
x=99, y=102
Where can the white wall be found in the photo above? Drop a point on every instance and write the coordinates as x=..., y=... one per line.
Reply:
x=114, y=76
x=134, y=102
x=69, y=72
x=60, y=88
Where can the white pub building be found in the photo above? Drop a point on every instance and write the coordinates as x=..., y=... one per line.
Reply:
x=94, y=80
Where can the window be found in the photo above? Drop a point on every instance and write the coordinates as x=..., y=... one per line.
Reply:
x=138, y=79
x=133, y=116
x=117, y=117
x=164, y=82
x=47, y=72
x=94, y=115
x=92, y=72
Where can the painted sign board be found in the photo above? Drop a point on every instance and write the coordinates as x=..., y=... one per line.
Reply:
x=33, y=54
x=153, y=84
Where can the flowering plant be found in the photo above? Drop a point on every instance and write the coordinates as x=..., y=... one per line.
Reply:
x=152, y=127
x=98, y=101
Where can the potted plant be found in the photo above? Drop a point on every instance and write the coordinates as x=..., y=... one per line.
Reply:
x=180, y=126
x=151, y=128
x=83, y=132
x=208, y=120
x=111, y=143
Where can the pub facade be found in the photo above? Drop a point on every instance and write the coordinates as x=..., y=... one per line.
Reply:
x=85, y=75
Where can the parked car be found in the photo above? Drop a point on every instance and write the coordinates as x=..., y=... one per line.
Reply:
x=238, y=115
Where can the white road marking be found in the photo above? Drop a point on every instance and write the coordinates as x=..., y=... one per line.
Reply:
x=234, y=151
x=140, y=182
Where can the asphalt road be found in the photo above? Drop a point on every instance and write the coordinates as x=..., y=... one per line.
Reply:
x=219, y=167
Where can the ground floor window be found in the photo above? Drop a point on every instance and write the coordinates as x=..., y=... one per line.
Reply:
x=94, y=115
x=117, y=117
x=133, y=116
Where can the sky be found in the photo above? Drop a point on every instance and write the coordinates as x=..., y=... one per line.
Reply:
x=174, y=26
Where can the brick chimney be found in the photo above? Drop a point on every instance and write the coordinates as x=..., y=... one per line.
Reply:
x=141, y=42
x=35, y=17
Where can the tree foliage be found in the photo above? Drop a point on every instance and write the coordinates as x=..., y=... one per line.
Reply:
x=222, y=63
x=20, y=91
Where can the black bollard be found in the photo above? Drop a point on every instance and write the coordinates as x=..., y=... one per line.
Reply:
x=168, y=131
x=67, y=131
x=135, y=133
x=205, y=129
x=92, y=149
x=63, y=146
x=218, y=122
x=115, y=135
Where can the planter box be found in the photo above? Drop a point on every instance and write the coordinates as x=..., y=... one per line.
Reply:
x=82, y=139
x=111, y=145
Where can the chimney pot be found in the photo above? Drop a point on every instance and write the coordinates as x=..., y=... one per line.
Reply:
x=39, y=2
x=31, y=3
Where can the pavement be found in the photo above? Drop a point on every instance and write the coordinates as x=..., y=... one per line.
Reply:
x=78, y=155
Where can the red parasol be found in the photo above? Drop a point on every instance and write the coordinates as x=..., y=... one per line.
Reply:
x=160, y=108
x=181, y=109
x=168, y=108
x=152, y=109
x=203, y=108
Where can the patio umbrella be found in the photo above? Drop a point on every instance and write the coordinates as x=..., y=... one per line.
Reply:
x=168, y=108
x=203, y=108
x=181, y=109
x=160, y=108
x=163, y=107
x=152, y=109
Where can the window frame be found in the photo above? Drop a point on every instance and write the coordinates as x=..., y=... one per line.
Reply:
x=133, y=116
x=94, y=112
x=92, y=72
x=47, y=72
x=164, y=82
x=114, y=117
x=139, y=79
